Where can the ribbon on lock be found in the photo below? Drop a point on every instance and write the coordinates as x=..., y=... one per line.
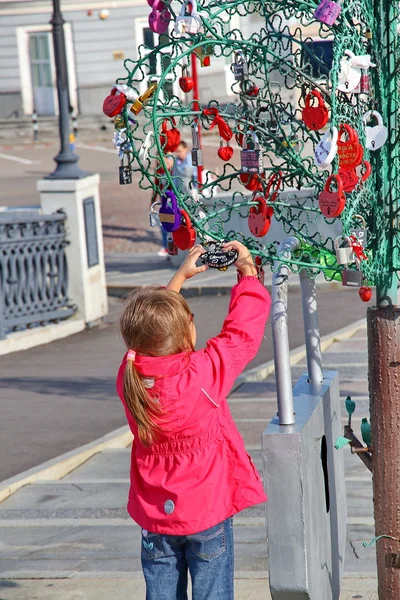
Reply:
x=185, y=236
x=332, y=203
x=160, y=17
x=114, y=103
x=121, y=142
x=350, y=150
x=224, y=130
x=169, y=213
x=169, y=138
x=326, y=149
x=357, y=248
x=188, y=21
x=377, y=135
x=315, y=117
x=145, y=147
x=260, y=216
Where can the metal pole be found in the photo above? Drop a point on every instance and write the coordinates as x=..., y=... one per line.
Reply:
x=67, y=167
x=196, y=96
x=311, y=328
x=280, y=335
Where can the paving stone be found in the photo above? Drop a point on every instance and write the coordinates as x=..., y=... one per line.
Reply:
x=114, y=463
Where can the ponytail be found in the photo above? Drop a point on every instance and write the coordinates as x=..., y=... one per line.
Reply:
x=141, y=405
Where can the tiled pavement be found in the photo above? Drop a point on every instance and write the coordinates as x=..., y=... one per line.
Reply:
x=72, y=539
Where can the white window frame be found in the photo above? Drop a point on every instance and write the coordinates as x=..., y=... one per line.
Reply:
x=25, y=66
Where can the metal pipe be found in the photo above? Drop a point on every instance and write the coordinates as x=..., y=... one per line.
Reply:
x=67, y=161
x=311, y=328
x=280, y=335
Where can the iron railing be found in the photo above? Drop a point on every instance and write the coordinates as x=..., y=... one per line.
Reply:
x=33, y=271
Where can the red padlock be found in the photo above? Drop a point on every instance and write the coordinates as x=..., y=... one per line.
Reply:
x=351, y=178
x=251, y=181
x=315, y=117
x=186, y=83
x=260, y=217
x=274, y=183
x=350, y=150
x=114, y=103
x=332, y=204
x=169, y=138
x=225, y=152
x=185, y=236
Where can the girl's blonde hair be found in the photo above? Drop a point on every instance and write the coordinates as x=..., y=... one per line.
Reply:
x=155, y=322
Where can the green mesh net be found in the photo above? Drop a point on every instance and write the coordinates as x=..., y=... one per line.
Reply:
x=286, y=59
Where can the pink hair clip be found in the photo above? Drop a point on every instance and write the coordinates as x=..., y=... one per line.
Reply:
x=131, y=355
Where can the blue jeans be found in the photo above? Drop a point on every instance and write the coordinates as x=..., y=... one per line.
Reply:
x=207, y=555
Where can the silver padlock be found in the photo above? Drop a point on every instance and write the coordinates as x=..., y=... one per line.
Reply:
x=154, y=218
x=360, y=233
x=197, y=153
x=125, y=170
x=240, y=67
x=344, y=254
x=251, y=158
x=352, y=277
x=186, y=23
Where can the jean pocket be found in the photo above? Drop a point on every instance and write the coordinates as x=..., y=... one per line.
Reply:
x=152, y=546
x=208, y=544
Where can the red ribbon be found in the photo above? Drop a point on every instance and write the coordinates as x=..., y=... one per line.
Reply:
x=357, y=248
x=224, y=130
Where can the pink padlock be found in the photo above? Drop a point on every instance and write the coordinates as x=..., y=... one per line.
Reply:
x=327, y=12
x=159, y=17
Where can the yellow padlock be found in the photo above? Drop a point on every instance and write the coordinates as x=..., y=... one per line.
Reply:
x=137, y=106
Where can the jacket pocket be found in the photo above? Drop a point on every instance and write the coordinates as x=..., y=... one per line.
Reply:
x=208, y=544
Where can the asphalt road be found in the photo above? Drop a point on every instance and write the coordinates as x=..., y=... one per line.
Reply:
x=56, y=397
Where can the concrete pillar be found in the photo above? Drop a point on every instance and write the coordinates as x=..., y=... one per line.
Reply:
x=80, y=200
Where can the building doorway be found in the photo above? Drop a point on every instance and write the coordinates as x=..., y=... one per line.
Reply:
x=42, y=71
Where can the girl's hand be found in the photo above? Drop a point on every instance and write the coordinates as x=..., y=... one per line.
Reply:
x=187, y=269
x=244, y=261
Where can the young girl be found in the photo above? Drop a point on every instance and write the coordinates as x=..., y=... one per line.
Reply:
x=190, y=472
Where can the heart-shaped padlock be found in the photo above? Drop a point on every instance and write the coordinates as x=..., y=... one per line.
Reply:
x=114, y=103
x=352, y=176
x=250, y=181
x=350, y=150
x=331, y=203
x=160, y=17
x=169, y=213
x=260, y=217
x=376, y=136
x=186, y=83
x=315, y=117
x=225, y=152
x=274, y=185
x=185, y=235
x=350, y=75
x=218, y=258
x=169, y=138
x=326, y=149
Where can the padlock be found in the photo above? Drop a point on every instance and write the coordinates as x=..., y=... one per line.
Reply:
x=188, y=23
x=326, y=149
x=225, y=152
x=352, y=277
x=364, y=86
x=315, y=117
x=138, y=105
x=350, y=150
x=240, y=67
x=186, y=83
x=328, y=12
x=344, y=254
x=169, y=213
x=218, y=258
x=145, y=147
x=360, y=233
x=273, y=186
x=197, y=153
x=185, y=235
x=331, y=203
x=169, y=138
x=251, y=159
x=154, y=218
x=376, y=136
x=350, y=74
x=260, y=216
x=114, y=103
x=160, y=17
x=204, y=54
x=249, y=88
x=172, y=248
x=119, y=122
x=125, y=170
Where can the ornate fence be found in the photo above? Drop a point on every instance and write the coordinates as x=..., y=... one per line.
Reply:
x=33, y=271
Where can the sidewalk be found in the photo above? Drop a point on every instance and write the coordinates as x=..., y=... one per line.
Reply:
x=71, y=538
x=128, y=271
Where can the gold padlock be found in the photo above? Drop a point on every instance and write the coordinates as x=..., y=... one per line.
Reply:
x=137, y=106
x=204, y=53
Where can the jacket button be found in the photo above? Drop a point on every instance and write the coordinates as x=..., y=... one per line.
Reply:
x=169, y=507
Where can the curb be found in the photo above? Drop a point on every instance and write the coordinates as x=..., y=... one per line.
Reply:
x=116, y=290
x=58, y=467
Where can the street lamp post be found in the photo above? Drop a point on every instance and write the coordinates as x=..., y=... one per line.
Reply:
x=66, y=159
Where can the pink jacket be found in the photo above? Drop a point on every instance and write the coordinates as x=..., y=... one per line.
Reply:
x=198, y=473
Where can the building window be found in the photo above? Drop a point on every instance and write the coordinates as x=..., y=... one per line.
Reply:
x=318, y=54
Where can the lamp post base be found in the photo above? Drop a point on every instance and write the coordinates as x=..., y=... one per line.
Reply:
x=67, y=167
